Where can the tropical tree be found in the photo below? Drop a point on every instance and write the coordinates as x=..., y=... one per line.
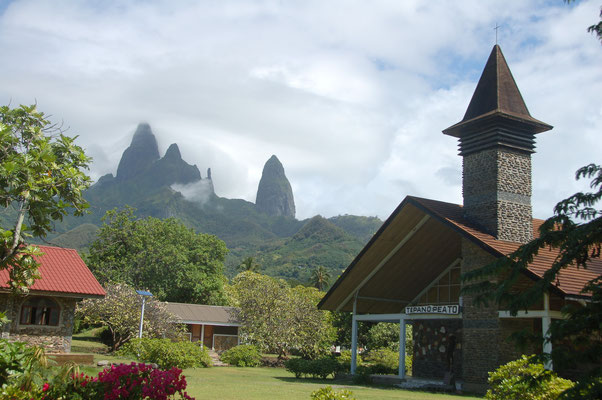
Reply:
x=313, y=330
x=575, y=231
x=320, y=278
x=41, y=181
x=249, y=264
x=279, y=318
x=164, y=256
x=119, y=311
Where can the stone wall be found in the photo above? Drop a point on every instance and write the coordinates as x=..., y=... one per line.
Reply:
x=509, y=350
x=481, y=328
x=431, y=341
x=53, y=338
x=497, y=192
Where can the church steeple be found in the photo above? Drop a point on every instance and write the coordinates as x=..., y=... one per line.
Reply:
x=497, y=114
x=497, y=137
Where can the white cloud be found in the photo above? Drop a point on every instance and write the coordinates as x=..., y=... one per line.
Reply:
x=351, y=96
x=198, y=192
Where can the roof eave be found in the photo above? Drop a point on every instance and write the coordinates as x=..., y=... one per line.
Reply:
x=535, y=125
x=57, y=294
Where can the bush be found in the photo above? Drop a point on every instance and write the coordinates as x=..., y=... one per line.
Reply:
x=167, y=354
x=245, y=355
x=383, y=361
x=326, y=393
x=133, y=382
x=525, y=379
x=320, y=368
x=345, y=360
x=22, y=368
x=362, y=375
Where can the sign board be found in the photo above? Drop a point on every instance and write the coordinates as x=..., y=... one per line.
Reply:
x=453, y=309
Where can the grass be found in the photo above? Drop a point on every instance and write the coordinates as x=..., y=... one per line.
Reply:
x=87, y=342
x=276, y=383
x=232, y=383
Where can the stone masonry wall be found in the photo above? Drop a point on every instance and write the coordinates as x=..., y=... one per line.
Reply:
x=56, y=339
x=497, y=192
x=481, y=327
x=431, y=340
x=509, y=351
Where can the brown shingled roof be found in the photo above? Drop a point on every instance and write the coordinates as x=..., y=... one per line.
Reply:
x=204, y=314
x=571, y=280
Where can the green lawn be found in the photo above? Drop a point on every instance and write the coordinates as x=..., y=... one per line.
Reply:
x=87, y=342
x=276, y=383
x=231, y=383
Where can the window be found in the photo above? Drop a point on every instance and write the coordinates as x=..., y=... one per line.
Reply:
x=445, y=291
x=40, y=311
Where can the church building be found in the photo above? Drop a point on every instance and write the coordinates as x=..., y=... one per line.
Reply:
x=409, y=272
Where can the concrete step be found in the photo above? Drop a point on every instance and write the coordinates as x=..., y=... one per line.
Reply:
x=216, y=360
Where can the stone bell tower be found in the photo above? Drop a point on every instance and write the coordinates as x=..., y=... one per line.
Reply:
x=497, y=137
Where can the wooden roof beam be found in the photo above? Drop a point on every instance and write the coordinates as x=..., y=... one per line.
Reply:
x=384, y=260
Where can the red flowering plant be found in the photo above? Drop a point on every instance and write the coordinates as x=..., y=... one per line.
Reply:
x=121, y=382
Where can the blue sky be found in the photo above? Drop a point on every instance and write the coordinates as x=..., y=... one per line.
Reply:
x=352, y=96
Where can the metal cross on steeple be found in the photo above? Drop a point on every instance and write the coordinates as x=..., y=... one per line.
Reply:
x=496, y=28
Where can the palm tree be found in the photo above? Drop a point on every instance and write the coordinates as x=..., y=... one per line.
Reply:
x=320, y=277
x=249, y=264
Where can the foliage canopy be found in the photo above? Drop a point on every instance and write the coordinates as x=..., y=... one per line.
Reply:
x=164, y=256
x=120, y=310
x=279, y=318
x=41, y=181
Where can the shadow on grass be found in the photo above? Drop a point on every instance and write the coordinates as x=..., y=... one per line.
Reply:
x=292, y=379
x=87, y=338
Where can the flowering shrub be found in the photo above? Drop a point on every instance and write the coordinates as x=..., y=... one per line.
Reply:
x=120, y=382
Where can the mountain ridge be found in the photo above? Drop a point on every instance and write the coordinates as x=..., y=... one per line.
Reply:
x=279, y=241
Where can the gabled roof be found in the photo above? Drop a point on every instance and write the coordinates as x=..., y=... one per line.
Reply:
x=571, y=280
x=62, y=271
x=496, y=95
x=432, y=247
x=203, y=314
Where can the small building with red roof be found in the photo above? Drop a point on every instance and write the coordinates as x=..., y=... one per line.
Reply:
x=409, y=272
x=45, y=315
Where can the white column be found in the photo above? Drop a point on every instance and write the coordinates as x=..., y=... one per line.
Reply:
x=402, y=348
x=545, y=329
x=354, y=337
x=202, y=336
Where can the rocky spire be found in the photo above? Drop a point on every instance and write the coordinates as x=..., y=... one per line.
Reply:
x=274, y=194
x=141, y=154
x=173, y=153
x=172, y=169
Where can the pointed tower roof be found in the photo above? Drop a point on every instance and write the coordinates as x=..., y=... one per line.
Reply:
x=496, y=97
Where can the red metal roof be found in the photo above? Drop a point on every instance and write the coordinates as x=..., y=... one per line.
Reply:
x=571, y=280
x=62, y=271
